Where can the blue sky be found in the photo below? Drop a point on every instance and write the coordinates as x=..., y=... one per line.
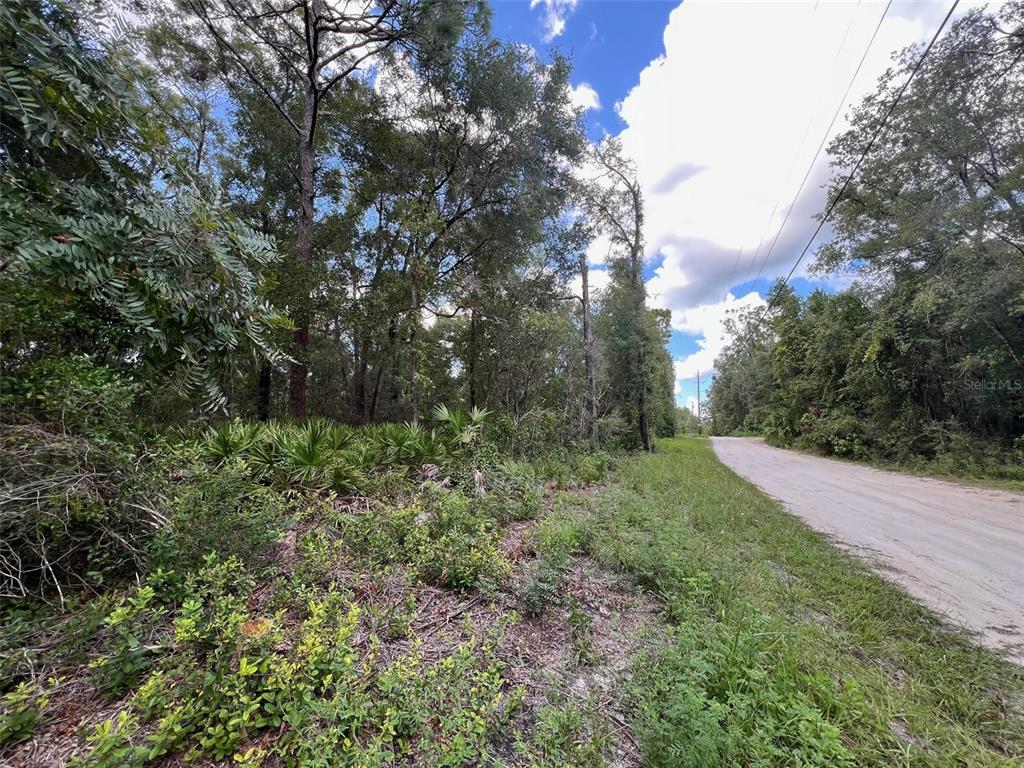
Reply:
x=722, y=105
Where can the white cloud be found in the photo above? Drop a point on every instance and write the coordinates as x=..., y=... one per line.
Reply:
x=598, y=250
x=556, y=13
x=707, y=323
x=583, y=96
x=724, y=126
x=722, y=134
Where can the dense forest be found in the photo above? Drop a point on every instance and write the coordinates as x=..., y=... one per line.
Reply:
x=210, y=213
x=920, y=360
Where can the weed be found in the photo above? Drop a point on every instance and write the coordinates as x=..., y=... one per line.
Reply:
x=126, y=655
x=220, y=511
x=581, y=626
x=21, y=710
x=572, y=735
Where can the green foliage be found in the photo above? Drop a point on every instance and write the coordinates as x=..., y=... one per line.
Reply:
x=126, y=655
x=558, y=537
x=446, y=538
x=84, y=219
x=21, y=710
x=70, y=394
x=220, y=511
x=232, y=676
x=718, y=697
x=458, y=547
x=572, y=735
x=581, y=632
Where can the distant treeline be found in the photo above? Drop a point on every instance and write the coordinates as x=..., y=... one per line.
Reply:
x=922, y=359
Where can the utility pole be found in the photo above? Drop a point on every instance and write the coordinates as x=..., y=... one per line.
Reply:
x=700, y=428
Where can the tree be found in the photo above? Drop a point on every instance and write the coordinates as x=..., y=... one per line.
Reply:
x=295, y=54
x=111, y=245
x=617, y=204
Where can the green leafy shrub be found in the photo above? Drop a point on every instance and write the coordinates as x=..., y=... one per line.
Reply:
x=85, y=218
x=304, y=677
x=21, y=710
x=458, y=547
x=126, y=656
x=834, y=434
x=382, y=535
x=70, y=395
x=557, y=538
x=531, y=435
x=442, y=534
x=220, y=511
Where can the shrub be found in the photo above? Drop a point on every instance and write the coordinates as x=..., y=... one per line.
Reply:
x=458, y=548
x=555, y=540
x=220, y=511
x=21, y=710
x=834, y=434
x=531, y=435
x=75, y=514
x=70, y=395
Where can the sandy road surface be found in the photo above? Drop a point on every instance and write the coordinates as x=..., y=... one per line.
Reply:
x=958, y=549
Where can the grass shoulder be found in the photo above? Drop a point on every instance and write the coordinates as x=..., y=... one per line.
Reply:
x=787, y=650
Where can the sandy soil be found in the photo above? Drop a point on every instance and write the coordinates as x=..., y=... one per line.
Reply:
x=958, y=549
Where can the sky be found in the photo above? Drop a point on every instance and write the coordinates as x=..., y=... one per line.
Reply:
x=722, y=106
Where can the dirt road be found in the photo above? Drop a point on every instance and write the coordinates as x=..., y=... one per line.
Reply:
x=958, y=549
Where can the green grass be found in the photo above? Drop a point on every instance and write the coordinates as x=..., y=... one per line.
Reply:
x=787, y=650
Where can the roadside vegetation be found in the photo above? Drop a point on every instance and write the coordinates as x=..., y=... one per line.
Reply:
x=286, y=595
x=321, y=595
x=782, y=649
x=918, y=365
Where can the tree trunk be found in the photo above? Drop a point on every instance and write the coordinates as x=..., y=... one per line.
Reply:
x=636, y=280
x=588, y=354
x=472, y=357
x=263, y=395
x=298, y=372
x=414, y=356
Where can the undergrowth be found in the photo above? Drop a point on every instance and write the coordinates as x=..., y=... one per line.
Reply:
x=268, y=612
x=787, y=650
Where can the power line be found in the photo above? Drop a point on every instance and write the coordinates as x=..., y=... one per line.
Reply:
x=860, y=161
x=824, y=138
x=771, y=216
x=732, y=274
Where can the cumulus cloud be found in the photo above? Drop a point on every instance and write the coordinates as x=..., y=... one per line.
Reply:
x=722, y=128
x=583, y=96
x=724, y=125
x=707, y=323
x=555, y=14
